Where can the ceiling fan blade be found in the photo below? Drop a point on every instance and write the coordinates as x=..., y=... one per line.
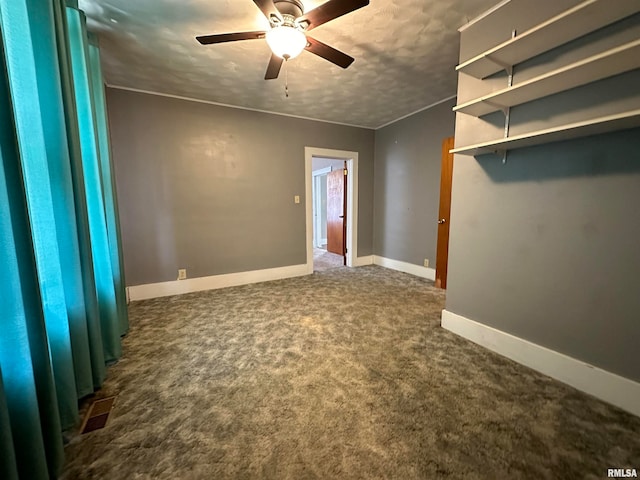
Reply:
x=268, y=8
x=229, y=37
x=328, y=11
x=328, y=53
x=273, y=69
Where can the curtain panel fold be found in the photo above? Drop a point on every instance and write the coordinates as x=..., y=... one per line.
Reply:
x=63, y=306
x=96, y=207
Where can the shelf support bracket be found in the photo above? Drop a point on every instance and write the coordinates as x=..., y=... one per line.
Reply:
x=501, y=152
x=507, y=110
x=508, y=68
x=502, y=108
x=507, y=114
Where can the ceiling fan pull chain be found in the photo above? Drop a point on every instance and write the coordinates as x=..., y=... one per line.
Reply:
x=286, y=77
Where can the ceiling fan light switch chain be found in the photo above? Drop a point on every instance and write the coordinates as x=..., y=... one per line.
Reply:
x=286, y=78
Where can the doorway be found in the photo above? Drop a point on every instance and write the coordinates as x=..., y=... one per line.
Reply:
x=351, y=238
x=328, y=210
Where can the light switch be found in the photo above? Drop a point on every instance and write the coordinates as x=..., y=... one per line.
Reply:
x=296, y=199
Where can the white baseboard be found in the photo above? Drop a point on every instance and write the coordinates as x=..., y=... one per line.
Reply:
x=417, y=270
x=362, y=261
x=177, y=287
x=607, y=386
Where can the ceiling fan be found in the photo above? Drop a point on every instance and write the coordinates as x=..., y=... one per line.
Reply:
x=287, y=36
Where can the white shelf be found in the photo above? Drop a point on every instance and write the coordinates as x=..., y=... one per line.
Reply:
x=569, y=25
x=610, y=123
x=607, y=64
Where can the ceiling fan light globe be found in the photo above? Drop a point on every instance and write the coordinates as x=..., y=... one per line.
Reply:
x=286, y=42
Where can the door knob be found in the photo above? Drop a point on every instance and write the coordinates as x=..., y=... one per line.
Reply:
x=442, y=220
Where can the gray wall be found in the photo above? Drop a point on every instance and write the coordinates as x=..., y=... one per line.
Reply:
x=407, y=184
x=211, y=189
x=545, y=247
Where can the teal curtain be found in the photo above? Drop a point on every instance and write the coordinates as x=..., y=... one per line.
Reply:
x=8, y=466
x=25, y=361
x=63, y=309
x=108, y=186
x=90, y=364
x=89, y=137
x=31, y=71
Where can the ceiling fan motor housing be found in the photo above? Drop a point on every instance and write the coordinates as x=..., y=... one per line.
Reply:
x=295, y=8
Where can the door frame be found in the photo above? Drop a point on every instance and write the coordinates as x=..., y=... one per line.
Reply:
x=317, y=201
x=352, y=200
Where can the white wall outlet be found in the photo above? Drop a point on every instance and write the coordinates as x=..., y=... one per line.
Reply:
x=426, y=262
x=182, y=274
x=296, y=199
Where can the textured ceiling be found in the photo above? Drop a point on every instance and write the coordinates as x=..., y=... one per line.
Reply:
x=405, y=52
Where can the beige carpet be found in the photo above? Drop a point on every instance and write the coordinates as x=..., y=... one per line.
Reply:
x=324, y=260
x=343, y=374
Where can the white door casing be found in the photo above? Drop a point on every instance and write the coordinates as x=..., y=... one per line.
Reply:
x=352, y=200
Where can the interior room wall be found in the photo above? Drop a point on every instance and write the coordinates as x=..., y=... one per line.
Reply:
x=545, y=246
x=407, y=184
x=211, y=188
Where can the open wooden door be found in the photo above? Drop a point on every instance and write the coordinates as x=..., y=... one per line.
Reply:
x=337, y=212
x=446, y=177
